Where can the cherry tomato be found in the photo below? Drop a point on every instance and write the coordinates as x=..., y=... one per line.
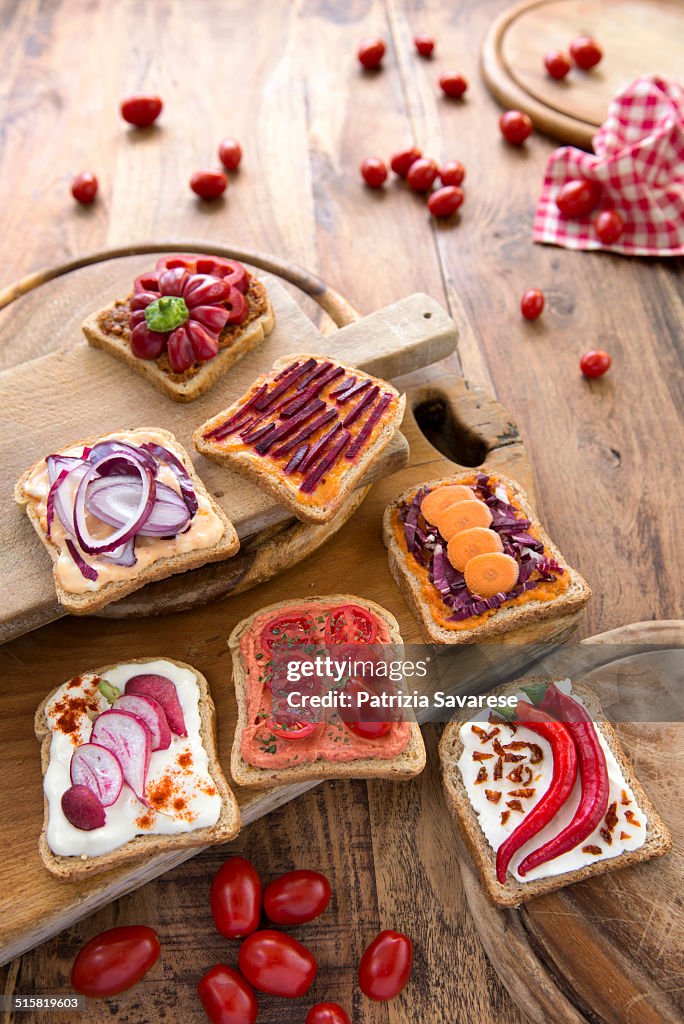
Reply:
x=402, y=160
x=369, y=730
x=385, y=967
x=296, y=897
x=609, y=225
x=141, y=110
x=288, y=629
x=453, y=84
x=595, y=363
x=424, y=44
x=236, y=898
x=230, y=153
x=578, y=197
x=350, y=624
x=226, y=996
x=532, y=304
x=276, y=963
x=515, y=127
x=84, y=188
x=292, y=729
x=452, y=173
x=114, y=961
x=370, y=52
x=585, y=52
x=209, y=184
x=445, y=201
x=557, y=64
x=327, y=1013
x=421, y=174
x=374, y=171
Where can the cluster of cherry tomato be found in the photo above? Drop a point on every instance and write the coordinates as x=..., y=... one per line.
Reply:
x=421, y=173
x=141, y=111
x=372, y=50
x=585, y=53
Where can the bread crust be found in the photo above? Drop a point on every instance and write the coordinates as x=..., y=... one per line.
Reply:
x=207, y=374
x=89, y=602
x=503, y=620
x=406, y=765
x=252, y=466
x=513, y=893
x=72, y=869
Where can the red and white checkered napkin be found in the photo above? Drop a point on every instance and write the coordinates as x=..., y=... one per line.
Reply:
x=639, y=160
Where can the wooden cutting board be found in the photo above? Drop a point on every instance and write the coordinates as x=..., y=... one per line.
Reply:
x=608, y=949
x=638, y=37
x=75, y=391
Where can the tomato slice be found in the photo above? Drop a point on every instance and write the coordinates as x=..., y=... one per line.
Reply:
x=350, y=624
x=287, y=630
x=292, y=729
x=369, y=730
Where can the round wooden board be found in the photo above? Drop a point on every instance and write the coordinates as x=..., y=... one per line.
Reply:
x=638, y=37
x=609, y=949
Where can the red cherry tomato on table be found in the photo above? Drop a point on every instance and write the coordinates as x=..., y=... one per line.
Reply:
x=445, y=201
x=585, y=52
x=84, y=188
x=385, y=967
x=350, y=624
x=609, y=225
x=297, y=897
x=401, y=161
x=595, y=363
x=276, y=963
x=421, y=174
x=424, y=44
x=532, y=304
x=226, y=996
x=114, y=961
x=374, y=172
x=230, y=153
x=141, y=110
x=515, y=127
x=453, y=84
x=209, y=184
x=327, y=1013
x=557, y=64
x=578, y=197
x=370, y=52
x=236, y=898
x=452, y=172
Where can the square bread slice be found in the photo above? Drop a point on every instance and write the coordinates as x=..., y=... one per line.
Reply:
x=72, y=869
x=424, y=599
x=307, y=431
x=109, y=329
x=408, y=763
x=92, y=596
x=657, y=840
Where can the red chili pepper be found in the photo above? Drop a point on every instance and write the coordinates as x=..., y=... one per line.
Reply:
x=593, y=777
x=562, y=781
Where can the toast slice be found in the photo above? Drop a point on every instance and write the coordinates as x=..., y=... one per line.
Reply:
x=109, y=329
x=97, y=596
x=336, y=454
x=406, y=764
x=424, y=599
x=75, y=868
x=657, y=837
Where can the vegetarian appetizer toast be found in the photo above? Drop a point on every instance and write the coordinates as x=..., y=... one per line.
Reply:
x=307, y=431
x=272, y=749
x=185, y=323
x=119, y=511
x=130, y=767
x=473, y=560
x=545, y=797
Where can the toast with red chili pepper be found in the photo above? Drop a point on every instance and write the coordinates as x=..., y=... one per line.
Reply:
x=307, y=431
x=562, y=792
x=473, y=561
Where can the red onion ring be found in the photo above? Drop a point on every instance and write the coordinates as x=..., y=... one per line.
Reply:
x=91, y=545
x=176, y=466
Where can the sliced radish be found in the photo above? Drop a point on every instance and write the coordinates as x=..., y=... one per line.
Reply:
x=97, y=768
x=162, y=690
x=130, y=741
x=152, y=714
x=82, y=808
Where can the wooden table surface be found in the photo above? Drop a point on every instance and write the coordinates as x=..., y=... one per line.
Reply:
x=282, y=77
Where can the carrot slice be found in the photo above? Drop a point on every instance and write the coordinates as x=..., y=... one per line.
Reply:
x=468, y=543
x=439, y=499
x=487, y=575
x=462, y=516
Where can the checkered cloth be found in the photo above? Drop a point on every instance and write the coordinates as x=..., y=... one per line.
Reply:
x=639, y=160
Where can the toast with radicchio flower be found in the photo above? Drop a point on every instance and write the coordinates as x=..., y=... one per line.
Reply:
x=307, y=431
x=474, y=561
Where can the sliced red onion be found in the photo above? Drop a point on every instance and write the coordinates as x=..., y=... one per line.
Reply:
x=308, y=430
x=57, y=463
x=62, y=496
x=97, y=768
x=90, y=544
x=285, y=429
x=125, y=555
x=366, y=430
x=130, y=741
x=286, y=382
x=367, y=399
x=128, y=451
x=179, y=471
x=309, y=483
x=50, y=503
x=86, y=570
x=114, y=500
